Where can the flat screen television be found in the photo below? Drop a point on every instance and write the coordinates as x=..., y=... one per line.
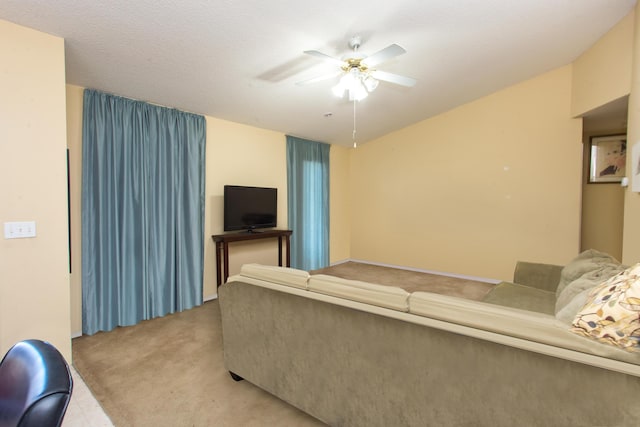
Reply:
x=248, y=208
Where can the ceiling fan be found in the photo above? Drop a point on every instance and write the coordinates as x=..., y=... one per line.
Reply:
x=359, y=77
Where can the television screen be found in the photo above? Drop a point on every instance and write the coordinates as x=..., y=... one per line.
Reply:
x=247, y=208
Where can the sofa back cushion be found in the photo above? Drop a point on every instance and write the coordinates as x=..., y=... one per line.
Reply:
x=588, y=270
x=369, y=293
x=280, y=275
x=575, y=294
x=585, y=262
x=537, y=275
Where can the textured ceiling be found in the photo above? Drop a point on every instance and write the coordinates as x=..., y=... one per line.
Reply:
x=240, y=60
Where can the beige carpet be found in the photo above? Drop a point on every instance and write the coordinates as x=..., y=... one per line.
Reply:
x=410, y=281
x=169, y=371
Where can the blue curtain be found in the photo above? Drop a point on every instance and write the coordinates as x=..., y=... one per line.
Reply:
x=308, y=202
x=143, y=178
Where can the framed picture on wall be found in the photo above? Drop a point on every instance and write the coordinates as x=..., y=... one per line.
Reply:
x=608, y=158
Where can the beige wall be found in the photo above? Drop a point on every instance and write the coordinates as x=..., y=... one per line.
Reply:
x=631, y=237
x=340, y=215
x=241, y=155
x=473, y=190
x=74, y=145
x=596, y=83
x=34, y=276
x=603, y=73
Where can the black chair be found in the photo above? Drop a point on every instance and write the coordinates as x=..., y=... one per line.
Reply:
x=35, y=385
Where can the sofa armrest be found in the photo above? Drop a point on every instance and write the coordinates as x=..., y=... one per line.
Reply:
x=537, y=275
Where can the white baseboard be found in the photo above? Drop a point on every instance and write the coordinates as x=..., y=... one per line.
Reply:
x=420, y=270
x=342, y=262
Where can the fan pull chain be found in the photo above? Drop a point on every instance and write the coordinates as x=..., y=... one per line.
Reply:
x=355, y=145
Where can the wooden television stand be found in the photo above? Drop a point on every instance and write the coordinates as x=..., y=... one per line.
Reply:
x=222, y=247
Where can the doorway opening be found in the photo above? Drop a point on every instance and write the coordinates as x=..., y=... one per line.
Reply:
x=602, y=203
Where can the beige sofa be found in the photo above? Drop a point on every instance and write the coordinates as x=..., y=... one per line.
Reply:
x=359, y=354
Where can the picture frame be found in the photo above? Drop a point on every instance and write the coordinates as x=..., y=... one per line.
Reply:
x=608, y=158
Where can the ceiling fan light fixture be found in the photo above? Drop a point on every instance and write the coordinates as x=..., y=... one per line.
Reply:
x=345, y=84
x=338, y=90
x=357, y=92
x=356, y=83
x=360, y=75
x=370, y=83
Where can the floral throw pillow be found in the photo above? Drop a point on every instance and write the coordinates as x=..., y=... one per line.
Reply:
x=612, y=311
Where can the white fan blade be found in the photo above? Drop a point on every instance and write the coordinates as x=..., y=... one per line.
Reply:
x=319, y=78
x=324, y=57
x=383, y=55
x=393, y=78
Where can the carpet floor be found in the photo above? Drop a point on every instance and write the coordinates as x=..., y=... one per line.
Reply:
x=169, y=371
x=410, y=281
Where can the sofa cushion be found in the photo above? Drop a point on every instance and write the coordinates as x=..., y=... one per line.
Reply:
x=281, y=275
x=611, y=314
x=585, y=262
x=522, y=297
x=380, y=295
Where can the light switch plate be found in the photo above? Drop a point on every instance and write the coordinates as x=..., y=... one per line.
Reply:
x=19, y=230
